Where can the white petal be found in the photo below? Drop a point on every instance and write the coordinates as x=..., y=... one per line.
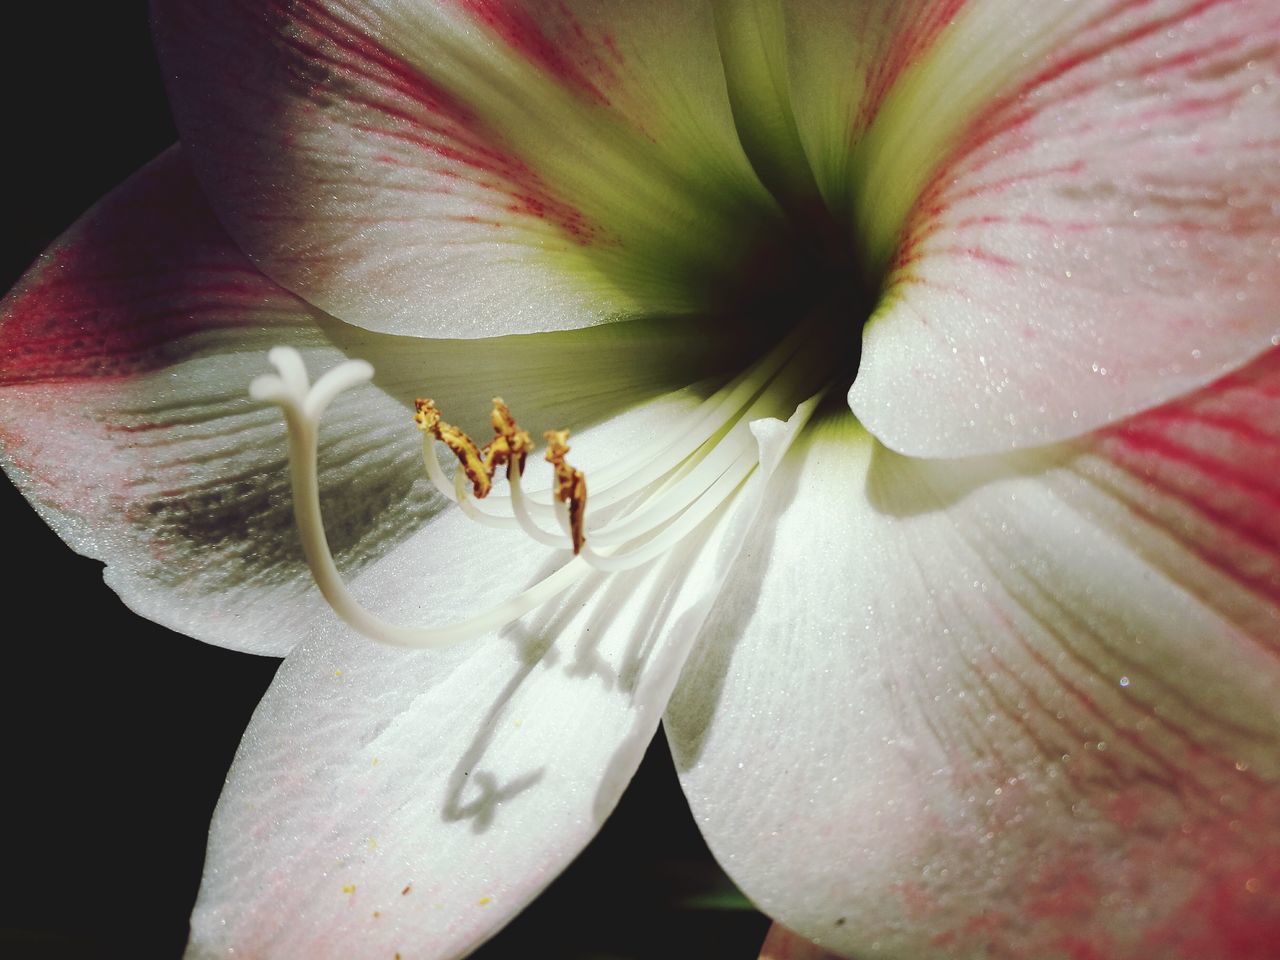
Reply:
x=385, y=801
x=1079, y=208
x=1019, y=707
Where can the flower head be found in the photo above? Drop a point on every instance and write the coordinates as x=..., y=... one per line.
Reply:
x=981, y=661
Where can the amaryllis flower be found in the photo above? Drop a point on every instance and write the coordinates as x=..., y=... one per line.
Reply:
x=964, y=647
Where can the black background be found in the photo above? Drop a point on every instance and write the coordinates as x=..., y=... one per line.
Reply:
x=118, y=733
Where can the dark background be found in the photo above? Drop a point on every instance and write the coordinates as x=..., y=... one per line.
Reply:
x=118, y=733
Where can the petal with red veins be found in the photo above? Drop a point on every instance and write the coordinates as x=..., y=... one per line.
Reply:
x=387, y=801
x=1099, y=235
x=1035, y=716
x=125, y=358
x=468, y=167
x=843, y=62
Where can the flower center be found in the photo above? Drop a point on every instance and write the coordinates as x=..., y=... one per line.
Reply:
x=802, y=265
x=641, y=506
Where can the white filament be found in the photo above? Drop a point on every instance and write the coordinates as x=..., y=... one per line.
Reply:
x=622, y=479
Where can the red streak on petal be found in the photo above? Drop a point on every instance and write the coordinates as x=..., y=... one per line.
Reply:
x=1002, y=130
x=339, y=74
x=440, y=124
x=548, y=35
x=1214, y=456
x=910, y=30
x=1212, y=879
x=148, y=266
x=1110, y=40
x=1234, y=912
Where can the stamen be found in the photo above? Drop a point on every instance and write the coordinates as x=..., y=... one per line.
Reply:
x=618, y=481
x=571, y=485
x=691, y=517
x=662, y=494
x=303, y=406
x=510, y=445
x=427, y=417
x=520, y=507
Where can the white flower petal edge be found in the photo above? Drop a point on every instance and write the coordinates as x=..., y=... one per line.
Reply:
x=125, y=353
x=468, y=167
x=413, y=802
x=1038, y=717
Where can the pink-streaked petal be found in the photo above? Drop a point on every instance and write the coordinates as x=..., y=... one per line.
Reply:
x=783, y=944
x=1102, y=237
x=882, y=90
x=1035, y=716
x=125, y=358
x=389, y=802
x=843, y=61
x=469, y=168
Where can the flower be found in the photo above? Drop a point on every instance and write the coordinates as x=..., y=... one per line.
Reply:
x=989, y=670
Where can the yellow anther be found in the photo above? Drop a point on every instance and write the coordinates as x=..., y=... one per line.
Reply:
x=557, y=446
x=427, y=417
x=510, y=445
x=571, y=484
